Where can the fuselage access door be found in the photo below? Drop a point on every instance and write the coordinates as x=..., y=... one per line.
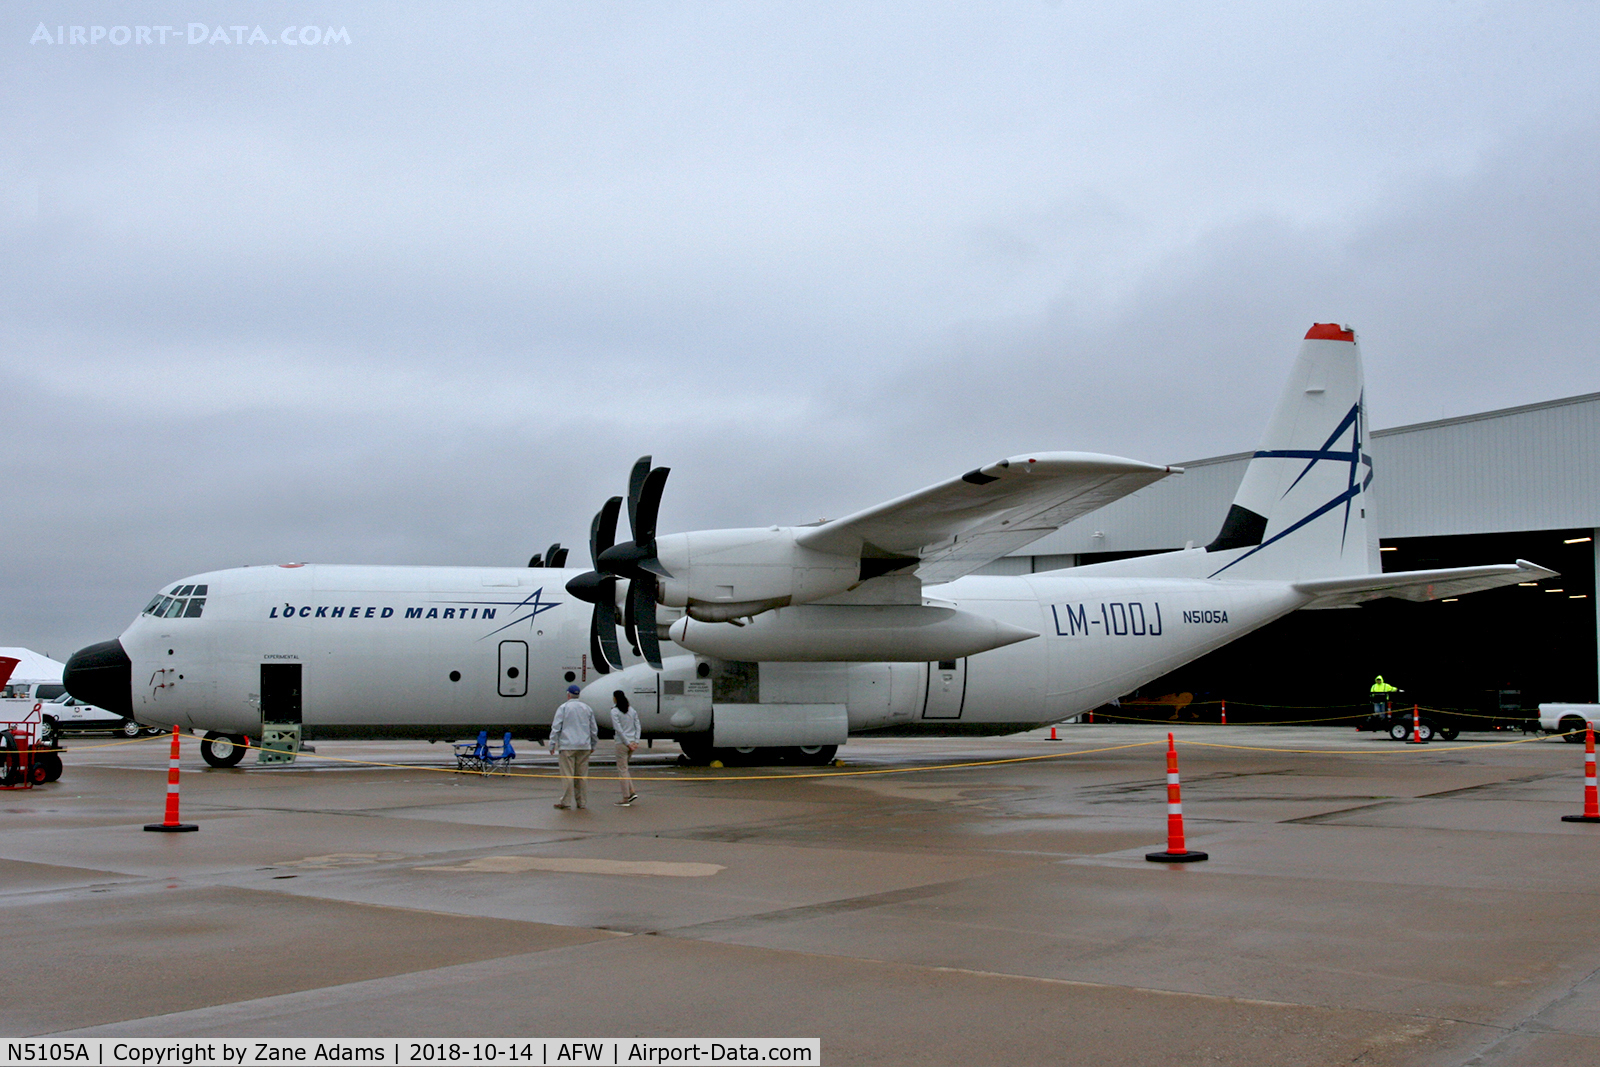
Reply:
x=946, y=691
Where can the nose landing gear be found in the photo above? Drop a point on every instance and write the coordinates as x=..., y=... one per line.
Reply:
x=223, y=750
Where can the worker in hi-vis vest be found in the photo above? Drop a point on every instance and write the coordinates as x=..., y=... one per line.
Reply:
x=1380, y=695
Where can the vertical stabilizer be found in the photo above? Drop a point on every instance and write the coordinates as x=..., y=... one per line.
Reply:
x=1303, y=509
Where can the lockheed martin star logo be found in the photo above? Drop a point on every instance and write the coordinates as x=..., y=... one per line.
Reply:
x=530, y=607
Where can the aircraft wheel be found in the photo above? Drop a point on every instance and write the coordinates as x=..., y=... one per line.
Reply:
x=696, y=750
x=51, y=763
x=223, y=750
x=130, y=729
x=1400, y=730
x=816, y=755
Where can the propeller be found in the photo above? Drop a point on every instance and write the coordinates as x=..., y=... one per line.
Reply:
x=635, y=560
x=554, y=556
x=600, y=590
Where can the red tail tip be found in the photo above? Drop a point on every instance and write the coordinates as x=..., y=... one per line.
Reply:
x=1329, y=331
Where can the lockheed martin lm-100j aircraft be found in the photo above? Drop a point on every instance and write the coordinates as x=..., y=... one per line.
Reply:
x=784, y=639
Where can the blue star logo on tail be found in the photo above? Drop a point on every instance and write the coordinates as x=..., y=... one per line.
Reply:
x=1354, y=457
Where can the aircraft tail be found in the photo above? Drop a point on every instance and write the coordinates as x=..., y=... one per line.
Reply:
x=1303, y=509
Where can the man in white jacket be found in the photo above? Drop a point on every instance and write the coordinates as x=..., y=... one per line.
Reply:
x=573, y=735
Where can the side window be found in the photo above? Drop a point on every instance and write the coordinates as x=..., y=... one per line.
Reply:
x=196, y=606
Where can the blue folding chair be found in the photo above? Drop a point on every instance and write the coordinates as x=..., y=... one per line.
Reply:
x=473, y=755
x=499, y=761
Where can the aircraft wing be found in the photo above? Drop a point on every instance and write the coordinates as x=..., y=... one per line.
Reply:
x=1419, y=585
x=957, y=526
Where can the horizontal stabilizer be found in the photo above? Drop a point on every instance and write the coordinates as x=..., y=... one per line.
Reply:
x=957, y=526
x=1418, y=585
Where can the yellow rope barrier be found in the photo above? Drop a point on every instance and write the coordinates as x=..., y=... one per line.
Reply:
x=681, y=778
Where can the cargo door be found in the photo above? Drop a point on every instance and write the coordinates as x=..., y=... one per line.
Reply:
x=280, y=692
x=946, y=689
x=513, y=668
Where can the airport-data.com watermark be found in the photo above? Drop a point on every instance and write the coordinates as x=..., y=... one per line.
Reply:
x=195, y=33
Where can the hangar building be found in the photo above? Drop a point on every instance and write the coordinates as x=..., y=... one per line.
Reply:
x=1520, y=482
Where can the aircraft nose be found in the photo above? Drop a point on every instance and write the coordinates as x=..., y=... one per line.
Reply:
x=101, y=675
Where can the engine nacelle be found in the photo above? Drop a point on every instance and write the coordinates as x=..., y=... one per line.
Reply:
x=824, y=633
x=719, y=575
x=672, y=701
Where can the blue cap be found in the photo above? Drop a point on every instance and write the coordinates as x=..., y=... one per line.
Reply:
x=574, y=690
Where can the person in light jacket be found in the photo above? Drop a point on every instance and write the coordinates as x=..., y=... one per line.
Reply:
x=625, y=728
x=573, y=735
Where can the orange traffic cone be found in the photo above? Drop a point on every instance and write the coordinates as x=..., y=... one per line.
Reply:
x=1176, y=852
x=1224, y=713
x=1591, y=797
x=1416, y=727
x=1053, y=736
x=171, y=825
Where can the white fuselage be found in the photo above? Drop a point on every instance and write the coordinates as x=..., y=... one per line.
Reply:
x=436, y=651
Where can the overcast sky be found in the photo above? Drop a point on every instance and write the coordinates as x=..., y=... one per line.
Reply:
x=421, y=294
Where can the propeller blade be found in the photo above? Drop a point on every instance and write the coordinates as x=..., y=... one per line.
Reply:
x=642, y=606
x=550, y=554
x=641, y=469
x=604, y=626
x=597, y=655
x=559, y=559
x=644, y=519
x=603, y=530
x=630, y=623
x=536, y=561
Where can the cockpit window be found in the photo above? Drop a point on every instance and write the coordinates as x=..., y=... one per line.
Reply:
x=185, y=602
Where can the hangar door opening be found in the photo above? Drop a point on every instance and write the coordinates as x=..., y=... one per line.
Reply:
x=280, y=692
x=513, y=668
x=946, y=689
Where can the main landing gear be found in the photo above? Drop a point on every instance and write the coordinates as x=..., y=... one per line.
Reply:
x=699, y=752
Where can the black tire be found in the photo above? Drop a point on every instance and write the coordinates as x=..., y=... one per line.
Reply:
x=815, y=755
x=1425, y=731
x=696, y=750
x=10, y=759
x=52, y=766
x=38, y=773
x=48, y=731
x=223, y=750
x=130, y=729
x=1449, y=733
x=1400, y=731
x=1573, y=728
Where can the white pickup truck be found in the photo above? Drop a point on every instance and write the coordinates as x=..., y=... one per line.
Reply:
x=1568, y=719
x=68, y=714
